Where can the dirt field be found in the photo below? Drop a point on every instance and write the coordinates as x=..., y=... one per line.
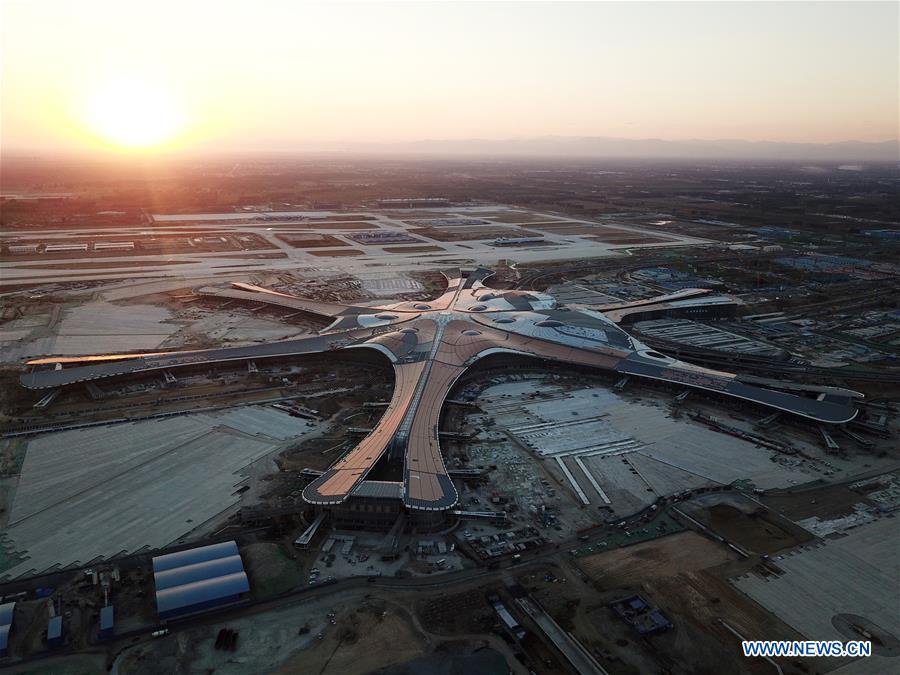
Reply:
x=756, y=532
x=695, y=602
x=468, y=615
x=667, y=556
x=271, y=569
x=365, y=640
x=675, y=574
x=459, y=613
x=831, y=501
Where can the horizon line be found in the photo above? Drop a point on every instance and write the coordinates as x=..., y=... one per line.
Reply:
x=409, y=147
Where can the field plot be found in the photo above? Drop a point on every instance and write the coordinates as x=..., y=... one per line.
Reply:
x=663, y=557
x=96, y=492
x=96, y=327
x=745, y=523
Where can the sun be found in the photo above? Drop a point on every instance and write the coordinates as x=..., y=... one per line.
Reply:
x=134, y=114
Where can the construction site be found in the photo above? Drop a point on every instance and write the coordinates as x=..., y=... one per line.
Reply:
x=547, y=467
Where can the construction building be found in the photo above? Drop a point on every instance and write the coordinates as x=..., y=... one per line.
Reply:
x=199, y=579
x=23, y=249
x=7, y=611
x=430, y=345
x=107, y=623
x=113, y=245
x=65, y=248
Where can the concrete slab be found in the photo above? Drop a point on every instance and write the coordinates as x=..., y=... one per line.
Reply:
x=236, y=329
x=104, y=318
x=627, y=491
x=856, y=574
x=650, y=452
x=664, y=477
x=93, y=328
x=97, y=492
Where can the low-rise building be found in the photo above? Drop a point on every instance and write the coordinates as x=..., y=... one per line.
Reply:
x=23, y=249
x=65, y=248
x=113, y=245
x=199, y=579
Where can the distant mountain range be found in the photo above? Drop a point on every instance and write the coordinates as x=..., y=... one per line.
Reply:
x=650, y=148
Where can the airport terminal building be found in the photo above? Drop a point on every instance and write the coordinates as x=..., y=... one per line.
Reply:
x=430, y=346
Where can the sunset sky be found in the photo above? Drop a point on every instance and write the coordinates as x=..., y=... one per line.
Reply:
x=290, y=75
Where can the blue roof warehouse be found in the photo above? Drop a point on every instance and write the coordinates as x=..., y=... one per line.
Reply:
x=199, y=579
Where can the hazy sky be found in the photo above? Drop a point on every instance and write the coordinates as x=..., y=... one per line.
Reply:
x=283, y=75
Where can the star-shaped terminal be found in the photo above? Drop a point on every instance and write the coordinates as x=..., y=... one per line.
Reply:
x=431, y=344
